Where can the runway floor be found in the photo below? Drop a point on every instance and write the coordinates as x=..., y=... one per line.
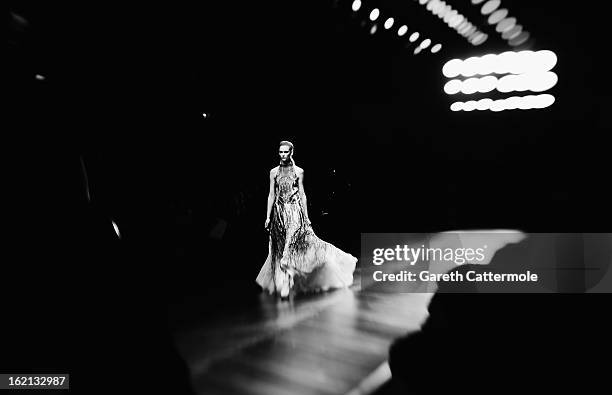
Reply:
x=329, y=343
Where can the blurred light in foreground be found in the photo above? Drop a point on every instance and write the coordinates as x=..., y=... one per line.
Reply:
x=373, y=29
x=413, y=37
x=402, y=30
x=374, y=14
x=205, y=115
x=116, y=229
x=40, y=77
x=356, y=5
x=417, y=50
x=388, y=23
x=436, y=48
x=511, y=103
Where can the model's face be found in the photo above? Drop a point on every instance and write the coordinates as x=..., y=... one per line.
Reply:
x=284, y=152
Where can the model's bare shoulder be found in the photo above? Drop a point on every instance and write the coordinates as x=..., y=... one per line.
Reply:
x=299, y=170
x=273, y=171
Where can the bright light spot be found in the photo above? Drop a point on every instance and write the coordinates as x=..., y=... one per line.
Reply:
x=116, y=229
x=444, y=11
x=402, y=30
x=463, y=27
x=373, y=29
x=497, y=105
x=417, y=50
x=487, y=64
x=545, y=100
x=374, y=14
x=425, y=43
x=205, y=115
x=388, y=23
x=469, y=105
x=511, y=103
x=438, y=7
x=356, y=5
x=540, y=82
x=436, y=48
x=40, y=77
x=470, y=86
x=479, y=38
x=477, y=1
x=423, y=1
x=457, y=106
x=456, y=21
x=505, y=25
x=545, y=60
x=430, y=6
x=507, y=83
x=520, y=39
x=487, y=84
x=490, y=6
x=469, y=66
x=452, y=68
x=452, y=87
x=512, y=32
x=413, y=37
x=505, y=61
x=497, y=16
x=450, y=16
x=483, y=104
x=472, y=30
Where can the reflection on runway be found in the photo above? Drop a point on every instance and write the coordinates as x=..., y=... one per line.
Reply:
x=326, y=343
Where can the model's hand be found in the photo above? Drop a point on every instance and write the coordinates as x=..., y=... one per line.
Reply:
x=267, y=226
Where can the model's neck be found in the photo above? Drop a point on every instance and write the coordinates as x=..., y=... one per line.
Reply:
x=286, y=163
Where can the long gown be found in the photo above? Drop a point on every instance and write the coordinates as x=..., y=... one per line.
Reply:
x=297, y=259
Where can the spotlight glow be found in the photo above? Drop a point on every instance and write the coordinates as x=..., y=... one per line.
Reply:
x=388, y=23
x=413, y=37
x=373, y=29
x=402, y=30
x=417, y=50
x=374, y=14
x=356, y=5
x=436, y=48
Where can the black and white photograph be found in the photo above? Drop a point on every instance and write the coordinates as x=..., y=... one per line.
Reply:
x=335, y=197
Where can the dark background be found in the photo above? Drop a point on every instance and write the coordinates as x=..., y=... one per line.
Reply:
x=123, y=96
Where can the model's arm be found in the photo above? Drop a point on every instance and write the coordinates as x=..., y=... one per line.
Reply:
x=270, y=198
x=303, y=195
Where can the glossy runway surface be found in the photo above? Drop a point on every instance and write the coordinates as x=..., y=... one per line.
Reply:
x=317, y=344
